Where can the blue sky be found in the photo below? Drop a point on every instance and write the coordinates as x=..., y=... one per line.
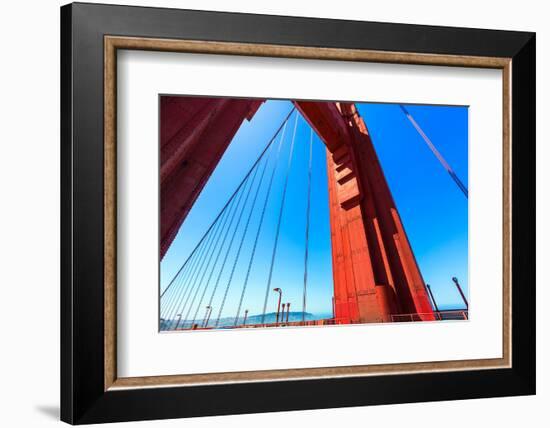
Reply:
x=433, y=209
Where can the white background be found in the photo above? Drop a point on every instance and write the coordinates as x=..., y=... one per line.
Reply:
x=29, y=226
x=143, y=352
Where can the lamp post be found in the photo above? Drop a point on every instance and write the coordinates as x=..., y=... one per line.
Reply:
x=455, y=280
x=245, y=316
x=278, y=290
x=283, y=313
x=433, y=299
x=287, y=311
x=178, y=323
x=207, y=315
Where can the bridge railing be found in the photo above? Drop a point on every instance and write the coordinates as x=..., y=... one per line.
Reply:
x=325, y=321
x=446, y=315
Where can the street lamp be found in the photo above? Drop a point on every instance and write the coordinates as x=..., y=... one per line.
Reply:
x=455, y=280
x=287, y=311
x=245, y=316
x=433, y=300
x=178, y=323
x=278, y=290
x=207, y=315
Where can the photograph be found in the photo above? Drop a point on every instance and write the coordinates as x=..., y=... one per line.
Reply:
x=274, y=212
x=278, y=213
x=245, y=214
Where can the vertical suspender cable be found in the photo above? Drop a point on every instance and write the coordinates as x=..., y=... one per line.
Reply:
x=169, y=303
x=229, y=245
x=436, y=153
x=167, y=300
x=191, y=261
x=221, y=222
x=234, y=234
x=201, y=279
x=184, y=285
x=304, y=298
x=178, y=284
x=262, y=216
x=269, y=145
x=228, y=213
x=175, y=307
x=237, y=256
x=206, y=269
x=232, y=196
x=209, y=277
x=279, y=220
x=223, y=240
x=195, y=282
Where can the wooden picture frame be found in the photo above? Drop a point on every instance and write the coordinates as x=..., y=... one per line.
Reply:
x=91, y=391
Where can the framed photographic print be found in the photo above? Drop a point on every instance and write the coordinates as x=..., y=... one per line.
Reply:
x=265, y=213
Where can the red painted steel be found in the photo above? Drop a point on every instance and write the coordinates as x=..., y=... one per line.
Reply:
x=374, y=269
x=194, y=134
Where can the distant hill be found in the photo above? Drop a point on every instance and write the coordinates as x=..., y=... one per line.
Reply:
x=251, y=319
x=272, y=317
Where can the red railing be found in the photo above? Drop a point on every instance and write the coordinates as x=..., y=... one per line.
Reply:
x=451, y=315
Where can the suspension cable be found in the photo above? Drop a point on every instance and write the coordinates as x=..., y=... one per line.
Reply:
x=227, y=252
x=226, y=215
x=168, y=300
x=213, y=267
x=262, y=216
x=179, y=284
x=175, y=307
x=194, y=281
x=237, y=256
x=208, y=281
x=233, y=238
x=436, y=153
x=279, y=220
x=304, y=298
x=217, y=257
x=234, y=193
x=197, y=288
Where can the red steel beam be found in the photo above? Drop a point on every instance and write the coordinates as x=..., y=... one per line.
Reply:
x=194, y=134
